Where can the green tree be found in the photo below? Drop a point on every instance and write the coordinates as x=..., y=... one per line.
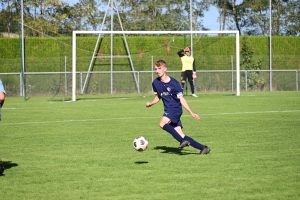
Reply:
x=158, y=14
x=292, y=20
x=251, y=17
x=286, y=17
x=9, y=12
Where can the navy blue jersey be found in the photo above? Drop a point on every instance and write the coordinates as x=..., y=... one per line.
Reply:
x=169, y=93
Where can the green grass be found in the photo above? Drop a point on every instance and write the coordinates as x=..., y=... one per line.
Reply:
x=83, y=149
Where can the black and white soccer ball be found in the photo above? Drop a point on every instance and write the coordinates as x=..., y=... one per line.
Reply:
x=140, y=143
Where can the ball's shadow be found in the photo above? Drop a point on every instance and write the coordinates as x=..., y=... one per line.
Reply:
x=141, y=162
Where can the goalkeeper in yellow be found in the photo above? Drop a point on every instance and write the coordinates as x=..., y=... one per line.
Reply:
x=188, y=68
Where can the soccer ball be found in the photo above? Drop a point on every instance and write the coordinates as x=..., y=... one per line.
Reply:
x=140, y=143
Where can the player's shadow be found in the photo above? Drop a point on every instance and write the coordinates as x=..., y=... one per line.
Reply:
x=7, y=165
x=172, y=150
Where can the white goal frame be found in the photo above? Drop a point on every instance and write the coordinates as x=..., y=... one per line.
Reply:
x=74, y=34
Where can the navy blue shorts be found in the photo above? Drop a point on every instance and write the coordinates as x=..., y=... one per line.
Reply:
x=174, y=116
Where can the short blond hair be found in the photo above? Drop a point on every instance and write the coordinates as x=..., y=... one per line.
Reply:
x=160, y=62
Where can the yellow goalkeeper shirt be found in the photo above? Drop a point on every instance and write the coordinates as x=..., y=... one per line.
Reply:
x=187, y=62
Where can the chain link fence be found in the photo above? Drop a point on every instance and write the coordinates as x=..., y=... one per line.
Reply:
x=59, y=84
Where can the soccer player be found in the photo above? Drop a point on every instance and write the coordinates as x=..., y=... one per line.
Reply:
x=169, y=90
x=2, y=98
x=188, y=68
x=2, y=94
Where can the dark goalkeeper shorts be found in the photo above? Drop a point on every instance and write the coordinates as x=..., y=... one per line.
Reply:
x=188, y=74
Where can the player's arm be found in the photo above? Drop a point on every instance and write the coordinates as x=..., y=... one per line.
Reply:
x=194, y=65
x=187, y=107
x=194, y=69
x=180, y=53
x=154, y=101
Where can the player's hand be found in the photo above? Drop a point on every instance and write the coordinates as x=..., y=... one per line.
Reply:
x=196, y=116
x=148, y=104
x=194, y=75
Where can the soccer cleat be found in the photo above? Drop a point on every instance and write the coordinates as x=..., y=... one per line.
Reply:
x=205, y=150
x=1, y=167
x=194, y=95
x=183, y=143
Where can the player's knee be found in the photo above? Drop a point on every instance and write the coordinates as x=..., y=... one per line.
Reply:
x=161, y=124
x=2, y=96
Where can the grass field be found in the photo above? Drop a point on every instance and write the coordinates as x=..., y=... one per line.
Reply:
x=83, y=149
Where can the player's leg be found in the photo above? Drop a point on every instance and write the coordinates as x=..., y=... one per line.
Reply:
x=2, y=94
x=165, y=124
x=191, y=81
x=2, y=98
x=183, y=78
x=179, y=130
x=186, y=141
x=1, y=167
x=183, y=143
x=190, y=141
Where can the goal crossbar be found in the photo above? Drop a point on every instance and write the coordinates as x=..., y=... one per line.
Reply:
x=74, y=34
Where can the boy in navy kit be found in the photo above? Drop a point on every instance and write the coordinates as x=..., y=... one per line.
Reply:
x=169, y=90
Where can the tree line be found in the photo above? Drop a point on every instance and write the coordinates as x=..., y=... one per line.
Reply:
x=249, y=17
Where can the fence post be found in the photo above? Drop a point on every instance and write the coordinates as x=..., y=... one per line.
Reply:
x=231, y=73
x=297, y=80
x=138, y=81
x=21, y=85
x=246, y=82
x=66, y=79
x=81, y=89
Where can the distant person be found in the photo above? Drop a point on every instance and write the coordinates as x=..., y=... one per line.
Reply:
x=188, y=68
x=169, y=90
x=2, y=98
x=2, y=94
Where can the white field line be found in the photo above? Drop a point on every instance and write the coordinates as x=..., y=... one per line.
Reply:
x=139, y=117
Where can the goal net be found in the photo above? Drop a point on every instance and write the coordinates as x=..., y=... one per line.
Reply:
x=47, y=63
x=122, y=61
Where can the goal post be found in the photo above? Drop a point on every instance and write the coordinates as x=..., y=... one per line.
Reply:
x=75, y=33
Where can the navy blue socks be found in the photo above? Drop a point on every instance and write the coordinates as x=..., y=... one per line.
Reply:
x=193, y=143
x=192, y=88
x=182, y=86
x=170, y=129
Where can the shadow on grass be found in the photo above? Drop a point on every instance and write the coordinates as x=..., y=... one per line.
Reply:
x=103, y=98
x=60, y=100
x=7, y=165
x=67, y=99
x=228, y=94
x=141, y=162
x=172, y=150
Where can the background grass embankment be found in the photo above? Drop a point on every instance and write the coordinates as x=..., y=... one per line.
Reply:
x=211, y=53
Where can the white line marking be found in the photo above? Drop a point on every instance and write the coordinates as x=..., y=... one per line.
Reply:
x=130, y=118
